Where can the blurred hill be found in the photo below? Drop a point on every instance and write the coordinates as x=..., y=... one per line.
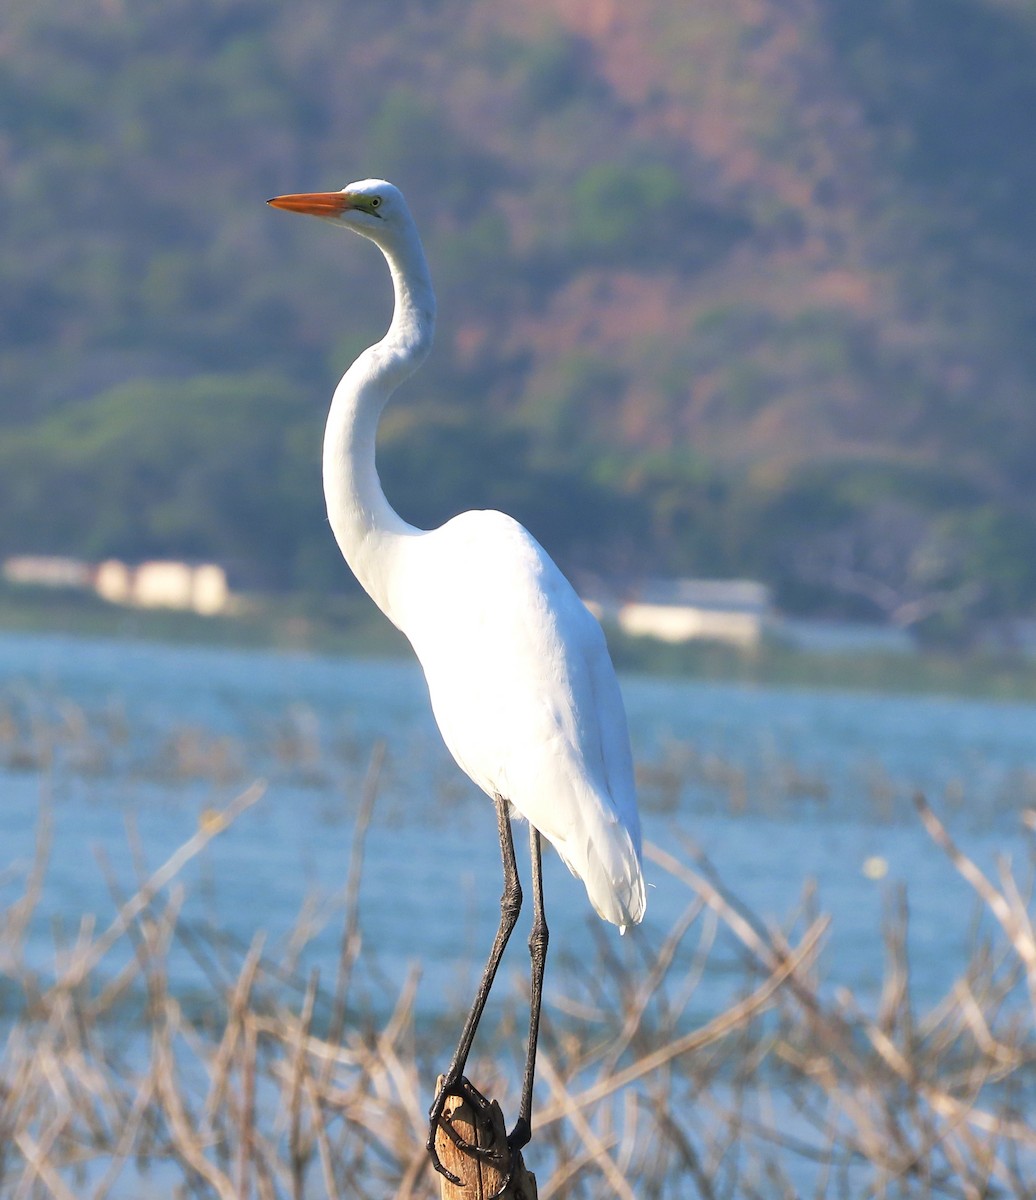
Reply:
x=743, y=287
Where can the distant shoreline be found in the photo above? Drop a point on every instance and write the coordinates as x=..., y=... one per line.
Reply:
x=350, y=625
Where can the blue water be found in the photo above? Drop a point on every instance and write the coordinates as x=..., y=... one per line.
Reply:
x=776, y=787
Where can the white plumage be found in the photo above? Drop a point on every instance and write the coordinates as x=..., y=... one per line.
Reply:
x=519, y=676
x=520, y=680
x=526, y=698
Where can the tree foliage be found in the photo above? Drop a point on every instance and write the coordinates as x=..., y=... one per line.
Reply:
x=727, y=297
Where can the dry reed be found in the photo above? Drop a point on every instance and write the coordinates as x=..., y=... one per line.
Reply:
x=276, y=1087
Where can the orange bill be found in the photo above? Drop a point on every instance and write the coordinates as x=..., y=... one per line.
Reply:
x=316, y=204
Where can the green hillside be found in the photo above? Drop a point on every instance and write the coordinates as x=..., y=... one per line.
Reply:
x=732, y=288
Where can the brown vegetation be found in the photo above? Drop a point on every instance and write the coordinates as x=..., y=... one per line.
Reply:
x=274, y=1085
x=722, y=286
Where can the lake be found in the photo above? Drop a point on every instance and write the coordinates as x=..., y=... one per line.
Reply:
x=125, y=741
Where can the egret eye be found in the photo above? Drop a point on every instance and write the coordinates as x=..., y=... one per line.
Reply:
x=375, y=201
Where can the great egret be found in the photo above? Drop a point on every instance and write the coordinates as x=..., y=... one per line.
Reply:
x=520, y=680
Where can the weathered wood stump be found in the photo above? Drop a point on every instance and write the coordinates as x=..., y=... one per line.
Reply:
x=483, y=1127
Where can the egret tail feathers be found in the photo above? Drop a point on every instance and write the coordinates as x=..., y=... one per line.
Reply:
x=603, y=854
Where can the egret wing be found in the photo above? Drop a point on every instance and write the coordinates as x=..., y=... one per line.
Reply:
x=526, y=698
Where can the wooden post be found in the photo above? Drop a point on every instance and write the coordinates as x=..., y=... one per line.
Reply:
x=479, y=1180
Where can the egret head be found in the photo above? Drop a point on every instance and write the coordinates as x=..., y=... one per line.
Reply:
x=370, y=207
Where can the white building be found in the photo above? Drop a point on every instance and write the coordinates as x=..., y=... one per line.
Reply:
x=48, y=570
x=200, y=588
x=736, y=611
x=165, y=584
x=113, y=581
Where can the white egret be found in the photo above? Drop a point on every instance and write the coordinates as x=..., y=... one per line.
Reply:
x=520, y=680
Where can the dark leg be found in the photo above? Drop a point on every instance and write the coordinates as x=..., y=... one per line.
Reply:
x=538, y=937
x=510, y=906
x=521, y=1134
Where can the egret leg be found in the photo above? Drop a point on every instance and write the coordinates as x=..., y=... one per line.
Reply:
x=510, y=906
x=539, y=936
x=521, y=1134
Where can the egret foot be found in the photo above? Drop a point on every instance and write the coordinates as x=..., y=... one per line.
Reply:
x=470, y=1148
x=520, y=1136
x=438, y=1118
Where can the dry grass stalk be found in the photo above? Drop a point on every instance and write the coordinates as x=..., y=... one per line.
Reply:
x=270, y=1091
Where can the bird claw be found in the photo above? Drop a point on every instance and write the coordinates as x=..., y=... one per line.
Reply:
x=518, y=1137
x=437, y=1119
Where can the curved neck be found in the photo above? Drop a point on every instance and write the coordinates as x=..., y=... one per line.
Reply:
x=368, y=530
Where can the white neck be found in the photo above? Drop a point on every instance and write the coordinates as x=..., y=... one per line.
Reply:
x=368, y=530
